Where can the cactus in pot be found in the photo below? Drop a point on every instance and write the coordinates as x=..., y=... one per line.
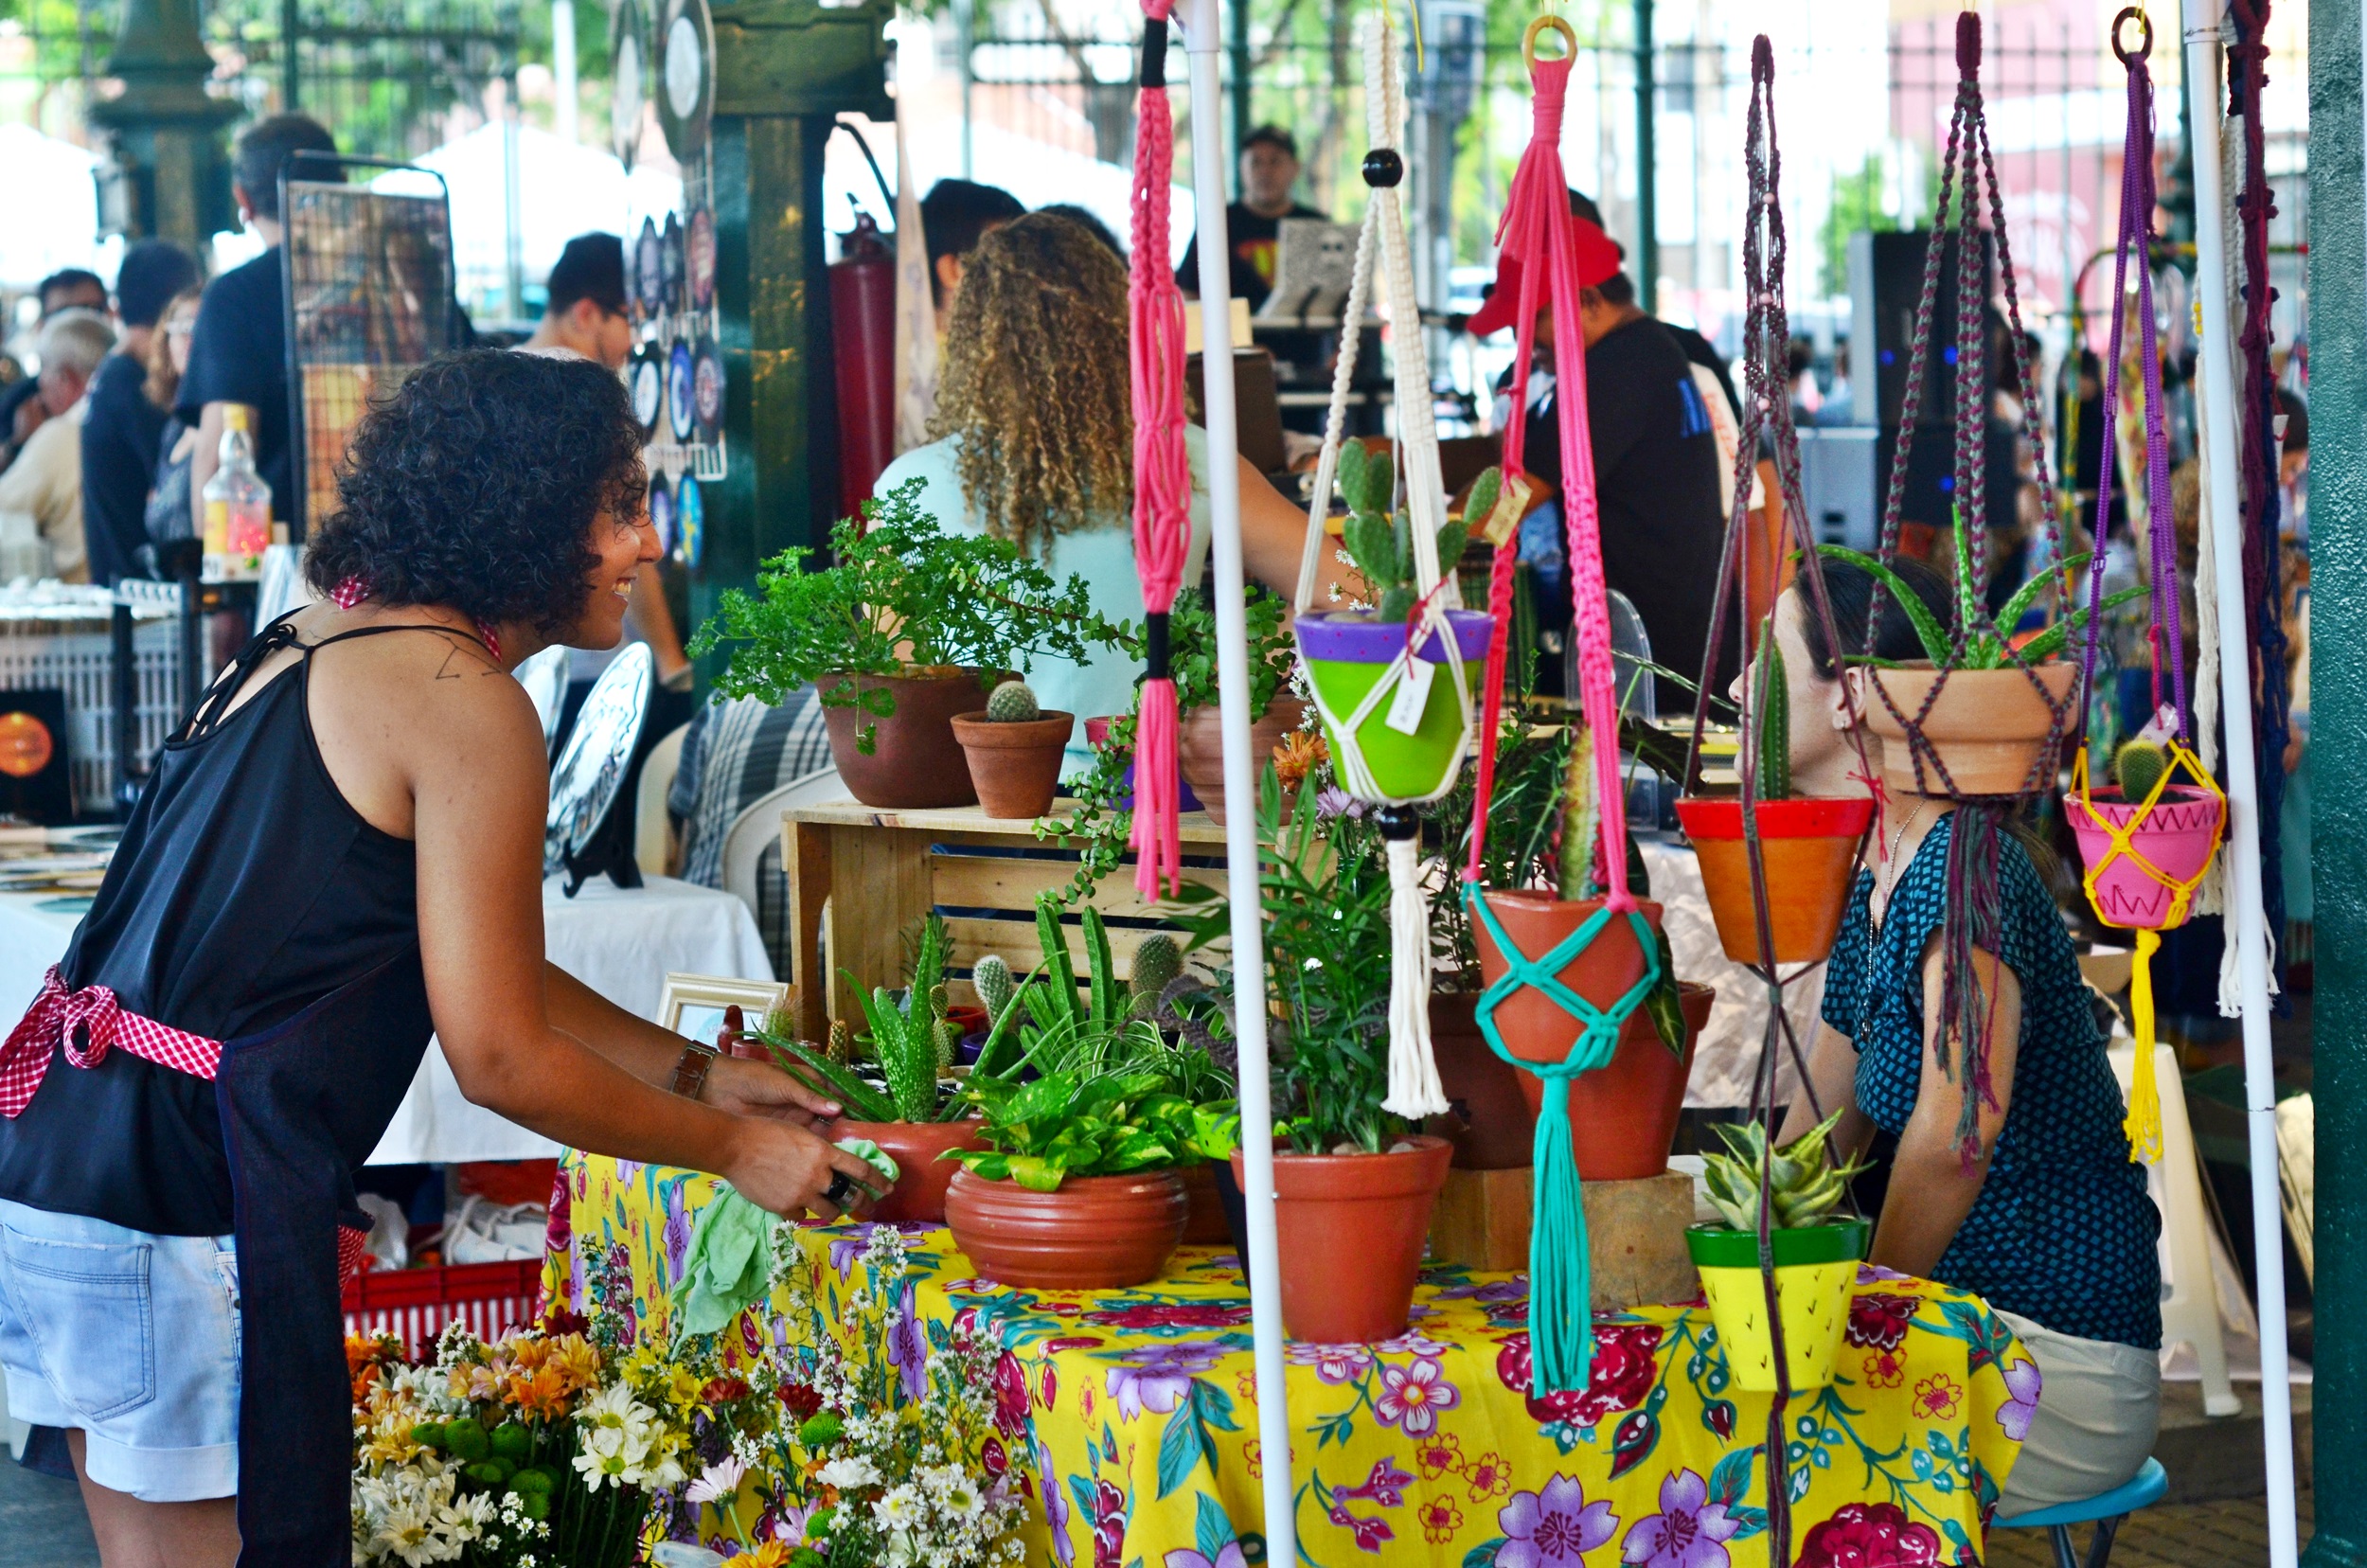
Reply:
x=1014, y=750
x=1013, y=703
x=2138, y=766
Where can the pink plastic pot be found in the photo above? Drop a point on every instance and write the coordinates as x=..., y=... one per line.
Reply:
x=2177, y=836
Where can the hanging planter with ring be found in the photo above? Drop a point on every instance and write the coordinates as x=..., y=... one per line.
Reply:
x=2147, y=843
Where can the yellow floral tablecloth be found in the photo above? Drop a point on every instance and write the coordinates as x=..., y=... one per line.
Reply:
x=1132, y=1414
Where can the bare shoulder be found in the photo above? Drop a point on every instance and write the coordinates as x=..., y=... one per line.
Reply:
x=423, y=692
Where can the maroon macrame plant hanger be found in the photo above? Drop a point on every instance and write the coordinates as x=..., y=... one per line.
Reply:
x=1973, y=916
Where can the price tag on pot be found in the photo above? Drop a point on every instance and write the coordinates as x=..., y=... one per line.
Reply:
x=1412, y=695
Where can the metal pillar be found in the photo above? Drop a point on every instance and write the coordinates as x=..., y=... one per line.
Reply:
x=167, y=169
x=1237, y=102
x=2338, y=525
x=1647, y=163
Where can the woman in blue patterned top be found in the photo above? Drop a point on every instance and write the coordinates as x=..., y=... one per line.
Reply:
x=2051, y=1225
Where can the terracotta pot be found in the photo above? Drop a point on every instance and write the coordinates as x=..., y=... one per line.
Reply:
x=1810, y=850
x=2177, y=838
x=1097, y=1233
x=1204, y=1224
x=1623, y=1115
x=915, y=762
x=1533, y=1027
x=1015, y=765
x=1986, y=725
x=1200, y=749
x=921, y=1177
x=1491, y=1127
x=1351, y=1230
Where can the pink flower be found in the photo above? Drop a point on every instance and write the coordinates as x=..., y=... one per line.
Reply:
x=1010, y=1393
x=1870, y=1535
x=1689, y=1531
x=2023, y=1383
x=1552, y=1527
x=1385, y=1486
x=1187, y=1314
x=1333, y=1364
x=1411, y=1398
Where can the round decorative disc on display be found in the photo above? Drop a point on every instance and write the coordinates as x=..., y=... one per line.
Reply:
x=649, y=270
x=685, y=75
x=690, y=520
x=699, y=257
x=591, y=770
x=662, y=515
x=628, y=75
x=647, y=383
x=670, y=263
x=680, y=409
x=706, y=388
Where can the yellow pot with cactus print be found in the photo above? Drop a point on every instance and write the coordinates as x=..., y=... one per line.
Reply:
x=1815, y=1268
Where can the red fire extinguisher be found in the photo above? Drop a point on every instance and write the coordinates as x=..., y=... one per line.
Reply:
x=862, y=324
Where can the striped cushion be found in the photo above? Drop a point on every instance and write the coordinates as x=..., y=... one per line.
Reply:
x=737, y=752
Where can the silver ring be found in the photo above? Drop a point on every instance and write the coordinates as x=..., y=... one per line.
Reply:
x=842, y=1188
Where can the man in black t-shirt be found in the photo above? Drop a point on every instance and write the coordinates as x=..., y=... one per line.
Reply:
x=122, y=429
x=1269, y=168
x=239, y=353
x=1655, y=464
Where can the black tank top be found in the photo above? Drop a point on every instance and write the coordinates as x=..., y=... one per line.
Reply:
x=245, y=889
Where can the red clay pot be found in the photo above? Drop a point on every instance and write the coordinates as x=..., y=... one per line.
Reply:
x=915, y=763
x=921, y=1177
x=1491, y=1127
x=1097, y=1233
x=1809, y=850
x=1533, y=1027
x=1016, y=765
x=1351, y=1230
x=1623, y=1115
x=1200, y=749
x=1204, y=1225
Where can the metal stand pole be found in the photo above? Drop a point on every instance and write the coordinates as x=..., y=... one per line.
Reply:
x=1202, y=39
x=127, y=715
x=2245, y=917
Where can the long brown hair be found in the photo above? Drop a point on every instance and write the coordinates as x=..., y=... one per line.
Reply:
x=1036, y=382
x=164, y=383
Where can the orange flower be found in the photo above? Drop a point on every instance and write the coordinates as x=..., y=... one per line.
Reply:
x=542, y=1392
x=773, y=1554
x=1297, y=753
x=577, y=1361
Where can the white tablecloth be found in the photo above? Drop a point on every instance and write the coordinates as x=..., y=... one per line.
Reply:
x=1726, y=1058
x=622, y=943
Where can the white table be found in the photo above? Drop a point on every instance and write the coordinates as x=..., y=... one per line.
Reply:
x=622, y=943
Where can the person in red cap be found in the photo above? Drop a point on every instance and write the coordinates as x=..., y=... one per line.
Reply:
x=1656, y=468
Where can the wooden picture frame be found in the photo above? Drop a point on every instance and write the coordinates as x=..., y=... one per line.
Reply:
x=692, y=1004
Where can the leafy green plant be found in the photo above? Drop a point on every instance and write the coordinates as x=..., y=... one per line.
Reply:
x=1803, y=1186
x=1065, y=1123
x=1378, y=535
x=1987, y=639
x=902, y=596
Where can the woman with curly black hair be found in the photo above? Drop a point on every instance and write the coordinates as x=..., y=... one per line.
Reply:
x=340, y=851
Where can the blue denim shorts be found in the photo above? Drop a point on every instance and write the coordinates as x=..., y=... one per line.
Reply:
x=129, y=1337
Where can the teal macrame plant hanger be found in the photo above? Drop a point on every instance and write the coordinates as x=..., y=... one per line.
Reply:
x=1537, y=230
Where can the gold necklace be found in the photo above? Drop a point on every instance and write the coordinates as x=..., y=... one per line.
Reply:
x=1890, y=861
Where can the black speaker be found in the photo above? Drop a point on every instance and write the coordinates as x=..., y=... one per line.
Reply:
x=1885, y=283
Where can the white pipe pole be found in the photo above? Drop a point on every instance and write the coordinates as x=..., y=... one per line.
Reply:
x=2218, y=390
x=1201, y=40
x=564, y=107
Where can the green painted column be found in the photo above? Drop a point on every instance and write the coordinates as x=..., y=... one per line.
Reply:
x=2338, y=548
x=167, y=169
x=785, y=69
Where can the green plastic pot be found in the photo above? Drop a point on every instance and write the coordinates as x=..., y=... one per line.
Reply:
x=1346, y=652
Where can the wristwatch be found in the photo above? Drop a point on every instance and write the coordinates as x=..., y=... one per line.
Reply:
x=690, y=1073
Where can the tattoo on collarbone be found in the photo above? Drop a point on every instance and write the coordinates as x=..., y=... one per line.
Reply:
x=457, y=658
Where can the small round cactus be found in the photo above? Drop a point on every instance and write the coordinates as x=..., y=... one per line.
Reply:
x=991, y=977
x=1013, y=703
x=2137, y=767
x=1156, y=962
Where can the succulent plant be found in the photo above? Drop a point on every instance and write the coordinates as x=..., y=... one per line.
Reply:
x=1156, y=962
x=1380, y=539
x=1013, y=703
x=2138, y=766
x=1805, y=1187
x=1773, y=696
x=991, y=976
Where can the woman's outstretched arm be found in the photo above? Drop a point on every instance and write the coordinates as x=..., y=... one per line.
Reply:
x=1930, y=1191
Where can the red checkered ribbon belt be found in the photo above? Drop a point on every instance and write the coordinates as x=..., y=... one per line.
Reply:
x=54, y=1016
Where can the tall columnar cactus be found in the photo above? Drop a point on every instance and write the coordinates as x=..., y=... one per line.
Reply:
x=991, y=978
x=1773, y=695
x=1157, y=961
x=1013, y=703
x=2138, y=766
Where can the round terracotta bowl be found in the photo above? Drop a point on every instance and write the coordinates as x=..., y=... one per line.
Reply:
x=1986, y=725
x=1200, y=749
x=1351, y=1229
x=922, y=1176
x=1096, y=1232
x=915, y=762
x=1808, y=848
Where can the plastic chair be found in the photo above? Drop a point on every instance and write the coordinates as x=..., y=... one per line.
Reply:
x=2106, y=1512
x=760, y=824
x=649, y=805
x=2190, y=1307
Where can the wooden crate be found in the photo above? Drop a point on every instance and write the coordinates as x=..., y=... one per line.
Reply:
x=861, y=878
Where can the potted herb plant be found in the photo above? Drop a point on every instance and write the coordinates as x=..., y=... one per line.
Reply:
x=1816, y=1255
x=1349, y=652
x=1997, y=698
x=909, y=625
x=1808, y=846
x=913, y=1113
x=1015, y=750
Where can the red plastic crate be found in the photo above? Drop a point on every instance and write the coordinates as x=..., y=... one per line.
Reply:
x=416, y=1304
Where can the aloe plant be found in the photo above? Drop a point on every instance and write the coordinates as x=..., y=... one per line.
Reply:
x=1803, y=1186
x=1986, y=640
x=911, y=1041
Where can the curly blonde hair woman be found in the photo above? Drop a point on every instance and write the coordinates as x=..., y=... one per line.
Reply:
x=1033, y=442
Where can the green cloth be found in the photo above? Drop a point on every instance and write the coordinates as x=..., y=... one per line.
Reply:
x=728, y=1266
